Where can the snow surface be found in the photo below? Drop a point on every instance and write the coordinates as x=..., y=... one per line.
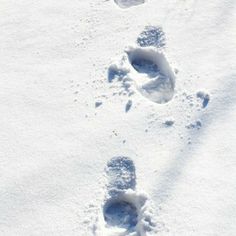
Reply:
x=74, y=94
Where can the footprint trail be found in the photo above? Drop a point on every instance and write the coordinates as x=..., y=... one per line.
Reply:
x=152, y=36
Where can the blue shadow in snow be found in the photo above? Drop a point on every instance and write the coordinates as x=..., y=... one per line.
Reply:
x=121, y=214
x=115, y=74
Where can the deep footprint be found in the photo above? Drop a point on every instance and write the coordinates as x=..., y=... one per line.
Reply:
x=121, y=214
x=128, y=3
x=157, y=80
x=146, y=67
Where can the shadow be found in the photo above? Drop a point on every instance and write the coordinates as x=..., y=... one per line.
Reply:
x=114, y=73
x=217, y=109
x=120, y=213
x=145, y=66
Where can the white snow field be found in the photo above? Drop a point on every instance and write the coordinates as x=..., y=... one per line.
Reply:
x=118, y=118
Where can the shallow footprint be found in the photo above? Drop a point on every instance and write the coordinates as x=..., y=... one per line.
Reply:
x=128, y=3
x=152, y=36
x=121, y=175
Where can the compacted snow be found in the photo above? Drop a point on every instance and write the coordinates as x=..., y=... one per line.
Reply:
x=118, y=117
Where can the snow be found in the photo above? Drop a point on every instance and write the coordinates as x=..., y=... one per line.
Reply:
x=71, y=100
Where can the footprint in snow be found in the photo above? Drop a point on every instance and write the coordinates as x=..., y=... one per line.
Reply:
x=121, y=175
x=125, y=211
x=128, y=3
x=152, y=74
x=146, y=67
x=152, y=36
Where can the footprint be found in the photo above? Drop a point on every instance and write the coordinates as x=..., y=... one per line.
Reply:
x=152, y=36
x=152, y=73
x=125, y=211
x=144, y=68
x=121, y=214
x=128, y=3
x=121, y=175
x=128, y=106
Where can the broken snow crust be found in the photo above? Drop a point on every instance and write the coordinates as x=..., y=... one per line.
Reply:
x=64, y=117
